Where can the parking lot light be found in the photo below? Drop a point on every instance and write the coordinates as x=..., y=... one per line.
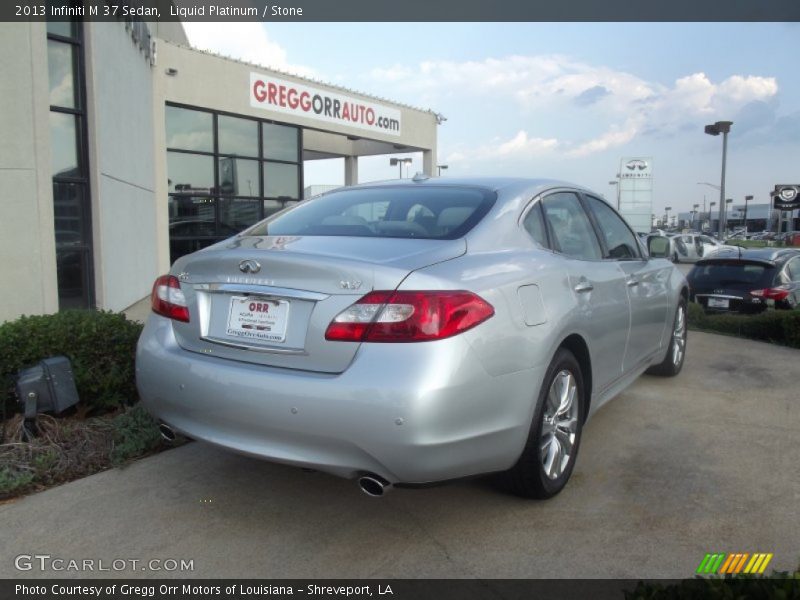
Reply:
x=724, y=128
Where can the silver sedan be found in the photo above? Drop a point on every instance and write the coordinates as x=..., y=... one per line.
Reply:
x=412, y=332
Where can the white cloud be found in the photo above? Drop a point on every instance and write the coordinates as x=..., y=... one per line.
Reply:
x=551, y=86
x=244, y=41
x=521, y=146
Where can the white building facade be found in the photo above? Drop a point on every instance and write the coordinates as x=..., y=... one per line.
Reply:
x=125, y=148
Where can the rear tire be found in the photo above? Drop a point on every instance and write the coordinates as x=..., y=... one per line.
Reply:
x=676, y=353
x=549, y=455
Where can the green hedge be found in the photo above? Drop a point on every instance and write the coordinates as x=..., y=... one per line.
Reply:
x=775, y=326
x=100, y=345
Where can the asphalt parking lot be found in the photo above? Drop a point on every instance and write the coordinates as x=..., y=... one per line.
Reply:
x=669, y=470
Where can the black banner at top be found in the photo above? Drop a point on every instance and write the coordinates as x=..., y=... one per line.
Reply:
x=408, y=10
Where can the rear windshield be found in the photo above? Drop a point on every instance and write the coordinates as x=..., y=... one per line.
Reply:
x=424, y=212
x=730, y=274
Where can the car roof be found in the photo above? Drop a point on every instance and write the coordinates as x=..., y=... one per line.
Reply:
x=491, y=183
x=763, y=255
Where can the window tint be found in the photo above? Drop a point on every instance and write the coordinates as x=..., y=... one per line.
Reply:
x=734, y=274
x=238, y=176
x=421, y=212
x=534, y=225
x=237, y=136
x=793, y=269
x=280, y=180
x=619, y=238
x=61, y=65
x=189, y=129
x=572, y=231
x=280, y=142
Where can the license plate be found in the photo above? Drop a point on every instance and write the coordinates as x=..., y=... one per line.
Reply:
x=718, y=303
x=258, y=319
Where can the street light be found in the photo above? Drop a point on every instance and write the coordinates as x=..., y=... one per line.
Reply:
x=400, y=161
x=746, y=200
x=694, y=211
x=727, y=202
x=724, y=128
x=440, y=167
x=616, y=183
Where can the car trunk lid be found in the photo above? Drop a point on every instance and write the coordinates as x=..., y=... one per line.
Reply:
x=268, y=300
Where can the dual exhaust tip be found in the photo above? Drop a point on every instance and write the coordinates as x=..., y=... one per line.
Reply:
x=372, y=485
x=166, y=432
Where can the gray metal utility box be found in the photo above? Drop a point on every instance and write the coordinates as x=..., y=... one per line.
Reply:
x=47, y=387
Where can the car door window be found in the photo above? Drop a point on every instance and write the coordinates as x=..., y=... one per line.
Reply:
x=793, y=269
x=620, y=240
x=570, y=227
x=534, y=225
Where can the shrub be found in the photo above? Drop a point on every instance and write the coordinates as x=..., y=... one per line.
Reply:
x=135, y=434
x=776, y=326
x=100, y=345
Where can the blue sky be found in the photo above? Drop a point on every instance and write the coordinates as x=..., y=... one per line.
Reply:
x=563, y=100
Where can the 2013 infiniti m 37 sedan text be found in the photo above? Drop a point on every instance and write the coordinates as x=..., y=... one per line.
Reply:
x=413, y=332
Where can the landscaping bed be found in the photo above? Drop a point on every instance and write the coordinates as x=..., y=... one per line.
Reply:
x=107, y=428
x=774, y=326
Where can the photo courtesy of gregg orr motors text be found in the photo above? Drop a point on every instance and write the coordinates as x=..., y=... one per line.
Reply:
x=301, y=100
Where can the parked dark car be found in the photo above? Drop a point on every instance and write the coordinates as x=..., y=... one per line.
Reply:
x=747, y=280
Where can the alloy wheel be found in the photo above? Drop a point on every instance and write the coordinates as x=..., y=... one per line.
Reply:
x=679, y=336
x=559, y=424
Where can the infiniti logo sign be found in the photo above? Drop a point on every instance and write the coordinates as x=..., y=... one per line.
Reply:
x=788, y=194
x=635, y=164
x=249, y=266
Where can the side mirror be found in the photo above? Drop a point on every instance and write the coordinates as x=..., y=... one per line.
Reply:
x=658, y=246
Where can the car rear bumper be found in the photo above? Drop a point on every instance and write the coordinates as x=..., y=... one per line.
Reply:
x=411, y=413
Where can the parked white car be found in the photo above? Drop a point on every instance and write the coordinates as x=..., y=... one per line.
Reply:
x=691, y=247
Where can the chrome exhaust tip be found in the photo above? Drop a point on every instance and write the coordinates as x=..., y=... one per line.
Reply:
x=374, y=486
x=166, y=432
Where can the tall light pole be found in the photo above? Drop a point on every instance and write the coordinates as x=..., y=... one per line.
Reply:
x=400, y=161
x=616, y=183
x=694, y=212
x=728, y=201
x=723, y=127
x=746, y=200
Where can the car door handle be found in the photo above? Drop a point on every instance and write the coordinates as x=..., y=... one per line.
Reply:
x=632, y=282
x=584, y=286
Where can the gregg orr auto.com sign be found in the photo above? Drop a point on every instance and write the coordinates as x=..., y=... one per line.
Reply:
x=297, y=99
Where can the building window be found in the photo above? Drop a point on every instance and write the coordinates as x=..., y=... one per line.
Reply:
x=225, y=173
x=69, y=168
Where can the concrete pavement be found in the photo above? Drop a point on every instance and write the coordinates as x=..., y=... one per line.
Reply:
x=669, y=470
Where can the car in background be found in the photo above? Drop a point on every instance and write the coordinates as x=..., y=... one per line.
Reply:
x=692, y=247
x=747, y=280
x=413, y=332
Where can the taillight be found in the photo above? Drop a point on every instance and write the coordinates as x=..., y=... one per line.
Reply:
x=409, y=317
x=168, y=300
x=776, y=293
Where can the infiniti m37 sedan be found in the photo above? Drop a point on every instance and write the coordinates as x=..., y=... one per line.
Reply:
x=413, y=332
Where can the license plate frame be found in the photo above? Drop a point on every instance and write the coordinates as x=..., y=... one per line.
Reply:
x=719, y=303
x=258, y=319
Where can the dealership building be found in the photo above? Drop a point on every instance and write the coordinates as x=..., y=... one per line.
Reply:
x=124, y=148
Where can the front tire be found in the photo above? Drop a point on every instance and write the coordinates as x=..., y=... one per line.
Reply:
x=676, y=353
x=549, y=455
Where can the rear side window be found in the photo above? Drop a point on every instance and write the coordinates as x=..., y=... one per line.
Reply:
x=572, y=232
x=422, y=212
x=732, y=274
x=534, y=225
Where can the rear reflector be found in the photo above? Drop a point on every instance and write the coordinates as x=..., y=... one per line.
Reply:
x=409, y=316
x=168, y=300
x=776, y=293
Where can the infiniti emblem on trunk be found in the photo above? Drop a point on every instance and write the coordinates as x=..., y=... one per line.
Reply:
x=249, y=266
